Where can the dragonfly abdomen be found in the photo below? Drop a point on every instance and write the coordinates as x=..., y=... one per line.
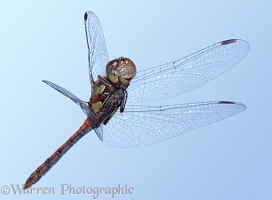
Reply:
x=57, y=155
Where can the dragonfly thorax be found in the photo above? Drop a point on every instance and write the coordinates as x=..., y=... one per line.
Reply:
x=121, y=71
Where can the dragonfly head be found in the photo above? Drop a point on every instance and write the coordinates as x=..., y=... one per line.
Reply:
x=121, y=71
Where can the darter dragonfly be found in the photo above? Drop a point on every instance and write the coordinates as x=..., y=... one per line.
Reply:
x=115, y=86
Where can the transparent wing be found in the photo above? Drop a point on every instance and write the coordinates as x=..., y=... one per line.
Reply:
x=143, y=125
x=83, y=104
x=70, y=95
x=97, y=51
x=188, y=73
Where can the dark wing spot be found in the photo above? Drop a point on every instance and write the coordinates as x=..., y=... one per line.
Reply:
x=228, y=41
x=226, y=102
x=85, y=16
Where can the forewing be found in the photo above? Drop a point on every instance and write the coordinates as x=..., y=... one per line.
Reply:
x=97, y=51
x=84, y=106
x=71, y=96
x=188, y=73
x=143, y=125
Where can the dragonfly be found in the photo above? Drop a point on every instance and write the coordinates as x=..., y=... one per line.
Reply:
x=115, y=110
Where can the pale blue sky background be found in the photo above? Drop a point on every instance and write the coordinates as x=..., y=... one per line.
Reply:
x=230, y=160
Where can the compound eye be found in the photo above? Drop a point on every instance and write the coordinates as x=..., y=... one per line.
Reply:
x=128, y=79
